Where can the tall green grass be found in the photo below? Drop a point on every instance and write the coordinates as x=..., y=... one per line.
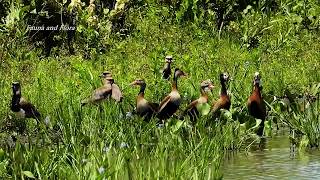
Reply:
x=93, y=142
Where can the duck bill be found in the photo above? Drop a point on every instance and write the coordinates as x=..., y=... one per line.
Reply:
x=133, y=83
x=16, y=88
x=105, y=75
x=211, y=87
x=257, y=82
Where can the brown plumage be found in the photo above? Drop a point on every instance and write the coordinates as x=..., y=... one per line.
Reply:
x=191, y=109
x=256, y=105
x=21, y=106
x=170, y=104
x=224, y=101
x=109, y=89
x=144, y=108
x=166, y=70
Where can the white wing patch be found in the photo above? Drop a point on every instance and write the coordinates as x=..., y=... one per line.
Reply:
x=21, y=113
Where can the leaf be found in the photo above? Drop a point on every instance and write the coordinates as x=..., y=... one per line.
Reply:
x=33, y=11
x=177, y=126
x=28, y=174
x=252, y=123
x=80, y=28
x=106, y=11
x=203, y=108
x=226, y=114
x=258, y=122
x=304, y=142
x=2, y=154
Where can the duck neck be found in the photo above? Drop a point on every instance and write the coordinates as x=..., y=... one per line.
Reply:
x=175, y=82
x=15, y=102
x=203, y=93
x=223, y=88
x=256, y=90
x=142, y=88
x=167, y=65
x=106, y=82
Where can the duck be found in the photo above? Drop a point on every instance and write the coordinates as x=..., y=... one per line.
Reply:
x=20, y=106
x=224, y=102
x=255, y=104
x=170, y=104
x=109, y=89
x=166, y=70
x=192, y=108
x=144, y=108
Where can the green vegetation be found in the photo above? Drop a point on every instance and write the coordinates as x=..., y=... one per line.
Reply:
x=278, y=39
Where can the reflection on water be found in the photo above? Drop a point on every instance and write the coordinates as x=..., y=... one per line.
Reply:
x=273, y=162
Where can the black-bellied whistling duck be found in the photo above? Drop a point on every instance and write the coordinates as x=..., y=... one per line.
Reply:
x=21, y=106
x=224, y=101
x=166, y=70
x=144, y=108
x=192, y=108
x=108, y=89
x=170, y=104
x=256, y=105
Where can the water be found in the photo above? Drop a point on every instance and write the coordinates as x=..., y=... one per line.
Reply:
x=273, y=162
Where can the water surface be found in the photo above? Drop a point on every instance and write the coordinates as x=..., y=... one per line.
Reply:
x=275, y=161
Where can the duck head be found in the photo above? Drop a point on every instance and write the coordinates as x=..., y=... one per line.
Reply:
x=138, y=82
x=107, y=77
x=16, y=88
x=224, y=77
x=105, y=74
x=257, y=80
x=207, y=85
x=168, y=59
x=179, y=73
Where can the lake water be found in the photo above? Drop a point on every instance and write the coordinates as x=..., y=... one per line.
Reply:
x=274, y=161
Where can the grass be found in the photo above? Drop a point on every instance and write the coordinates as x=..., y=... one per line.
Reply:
x=98, y=142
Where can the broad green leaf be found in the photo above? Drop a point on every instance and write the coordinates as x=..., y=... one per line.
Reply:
x=2, y=154
x=226, y=114
x=203, y=109
x=177, y=126
x=33, y=11
x=28, y=174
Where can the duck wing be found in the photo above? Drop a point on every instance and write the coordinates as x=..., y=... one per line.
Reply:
x=153, y=106
x=217, y=105
x=116, y=93
x=98, y=95
x=164, y=102
x=29, y=109
x=101, y=93
x=190, y=106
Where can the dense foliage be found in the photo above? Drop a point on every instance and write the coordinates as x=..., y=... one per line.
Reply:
x=59, y=68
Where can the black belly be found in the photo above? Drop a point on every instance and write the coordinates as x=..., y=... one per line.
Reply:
x=255, y=110
x=168, y=111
